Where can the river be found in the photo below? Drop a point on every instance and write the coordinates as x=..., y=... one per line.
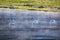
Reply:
x=29, y=25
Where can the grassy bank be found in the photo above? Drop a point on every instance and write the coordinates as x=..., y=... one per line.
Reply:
x=31, y=8
x=31, y=4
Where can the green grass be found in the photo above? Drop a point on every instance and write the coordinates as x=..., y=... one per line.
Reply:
x=31, y=2
x=21, y=4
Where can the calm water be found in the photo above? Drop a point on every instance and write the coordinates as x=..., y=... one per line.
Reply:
x=29, y=25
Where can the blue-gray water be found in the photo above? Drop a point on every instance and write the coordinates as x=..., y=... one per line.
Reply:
x=29, y=25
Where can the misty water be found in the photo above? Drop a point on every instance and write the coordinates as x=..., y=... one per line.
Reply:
x=29, y=25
